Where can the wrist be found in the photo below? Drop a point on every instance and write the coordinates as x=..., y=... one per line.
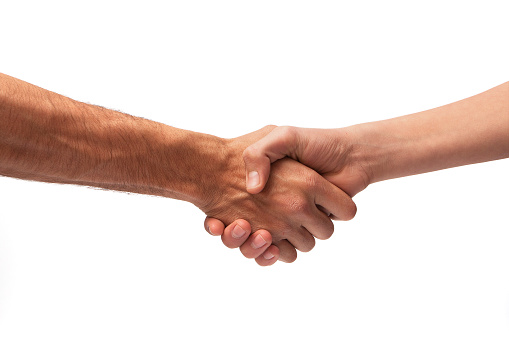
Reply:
x=368, y=150
x=181, y=164
x=201, y=169
x=391, y=148
x=223, y=176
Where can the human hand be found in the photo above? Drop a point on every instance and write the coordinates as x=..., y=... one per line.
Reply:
x=327, y=151
x=470, y=131
x=290, y=207
x=238, y=235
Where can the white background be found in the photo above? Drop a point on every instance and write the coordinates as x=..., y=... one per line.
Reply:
x=425, y=257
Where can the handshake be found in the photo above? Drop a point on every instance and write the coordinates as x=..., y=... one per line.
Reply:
x=276, y=189
x=286, y=204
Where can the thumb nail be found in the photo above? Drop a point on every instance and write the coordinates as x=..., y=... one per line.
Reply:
x=253, y=179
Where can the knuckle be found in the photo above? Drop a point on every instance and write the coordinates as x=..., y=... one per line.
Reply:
x=269, y=127
x=299, y=205
x=250, y=152
x=311, y=180
x=286, y=133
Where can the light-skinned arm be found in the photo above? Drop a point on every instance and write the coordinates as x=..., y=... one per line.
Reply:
x=48, y=137
x=469, y=131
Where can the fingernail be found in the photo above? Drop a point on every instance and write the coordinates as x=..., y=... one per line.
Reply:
x=258, y=242
x=253, y=179
x=268, y=255
x=238, y=232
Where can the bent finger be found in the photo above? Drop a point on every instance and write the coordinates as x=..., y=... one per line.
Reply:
x=302, y=239
x=335, y=201
x=236, y=233
x=213, y=226
x=318, y=223
x=257, y=243
x=269, y=257
x=287, y=253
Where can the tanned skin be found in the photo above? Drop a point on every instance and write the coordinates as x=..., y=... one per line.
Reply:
x=47, y=137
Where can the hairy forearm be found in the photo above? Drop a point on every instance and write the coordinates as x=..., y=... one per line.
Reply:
x=48, y=137
x=469, y=131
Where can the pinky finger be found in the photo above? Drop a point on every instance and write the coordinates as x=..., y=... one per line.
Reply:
x=269, y=257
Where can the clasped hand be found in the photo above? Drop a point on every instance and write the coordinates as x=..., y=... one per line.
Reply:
x=285, y=210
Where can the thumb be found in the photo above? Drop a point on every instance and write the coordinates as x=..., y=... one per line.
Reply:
x=279, y=143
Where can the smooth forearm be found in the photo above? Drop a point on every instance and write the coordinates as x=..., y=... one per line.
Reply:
x=47, y=137
x=469, y=131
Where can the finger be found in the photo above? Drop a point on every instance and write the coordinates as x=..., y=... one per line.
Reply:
x=339, y=204
x=213, y=226
x=324, y=210
x=318, y=223
x=301, y=239
x=328, y=214
x=280, y=142
x=287, y=252
x=236, y=233
x=257, y=243
x=269, y=257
